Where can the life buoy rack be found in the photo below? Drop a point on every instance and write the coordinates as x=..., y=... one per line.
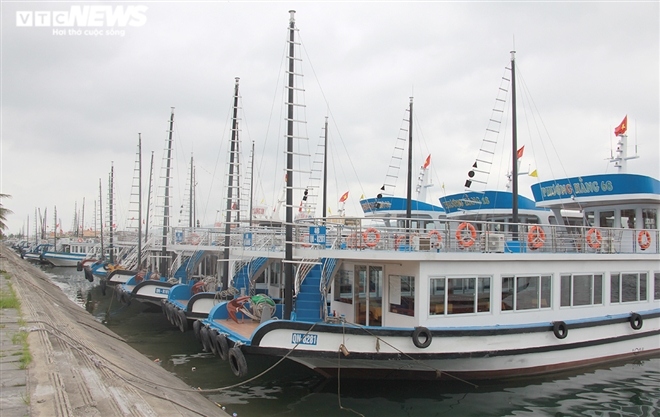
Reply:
x=465, y=241
x=237, y=362
x=536, y=237
x=422, y=337
x=636, y=321
x=560, y=329
x=438, y=238
x=644, y=239
x=594, y=238
x=222, y=346
x=367, y=237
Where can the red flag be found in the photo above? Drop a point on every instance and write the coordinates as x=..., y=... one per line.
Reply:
x=427, y=162
x=344, y=197
x=621, y=129
x=519, y=154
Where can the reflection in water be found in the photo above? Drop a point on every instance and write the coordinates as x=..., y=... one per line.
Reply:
x=627, y=389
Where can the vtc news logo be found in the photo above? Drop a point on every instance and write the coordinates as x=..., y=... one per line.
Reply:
x=85, y=16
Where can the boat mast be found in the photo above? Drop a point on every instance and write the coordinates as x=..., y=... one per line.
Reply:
x=101, y=216
x=111, y=189
x=514, y=142
x=191, y=221
x=288, y=228
x=163, y=268
x=409, y=179
x=233, y=149
x=251, y=183
x=325, y=169
x=151, y=182
x=55, y=230
x=139, y=246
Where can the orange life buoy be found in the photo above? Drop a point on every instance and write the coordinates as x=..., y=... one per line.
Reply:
x=536, y=237
x=594, y=237
x=194, y=239
x=305, y=240
x=353, y=241
x=465, y=241
x=79, y=240
x=398, y=241
x=438, y=238
x=644, y=239
x=366, y=236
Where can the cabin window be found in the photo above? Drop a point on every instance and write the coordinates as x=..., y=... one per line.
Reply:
x=459, y=295
x=402, y=294
x=650, y=217
x=581, y=289
x=344, y=286
x=526, y=292
x=607, y=218
x=628, y=219
x=656, y=292
x=589, y=217
x=628, y=286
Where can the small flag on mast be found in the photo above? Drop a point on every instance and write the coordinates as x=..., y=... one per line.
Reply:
x=534, y=174
x=427, y=162
x=343, y=197
x=621, y=129
x=519, y=154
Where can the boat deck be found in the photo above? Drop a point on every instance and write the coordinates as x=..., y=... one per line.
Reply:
x=244, y=327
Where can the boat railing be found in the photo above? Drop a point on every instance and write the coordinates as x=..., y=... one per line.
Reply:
x=480, y=236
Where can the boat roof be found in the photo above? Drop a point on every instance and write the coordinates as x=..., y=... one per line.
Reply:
x=371, y=206
x=597, y=190
x=486, y=201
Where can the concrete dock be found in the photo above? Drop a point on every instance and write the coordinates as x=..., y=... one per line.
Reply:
x=78, y=367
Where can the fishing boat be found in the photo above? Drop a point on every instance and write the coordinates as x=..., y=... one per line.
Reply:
x=462, y=311
x=71, y=252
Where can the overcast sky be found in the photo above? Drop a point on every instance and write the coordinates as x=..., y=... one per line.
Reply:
x=73, y=103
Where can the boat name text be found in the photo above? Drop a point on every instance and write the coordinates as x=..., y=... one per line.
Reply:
x=577, y=188
x=465, y=201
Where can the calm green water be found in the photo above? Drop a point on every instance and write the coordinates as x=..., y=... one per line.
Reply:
x=627, y=389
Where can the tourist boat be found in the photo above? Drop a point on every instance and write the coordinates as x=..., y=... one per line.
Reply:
x=557, y=301
x=70, y=252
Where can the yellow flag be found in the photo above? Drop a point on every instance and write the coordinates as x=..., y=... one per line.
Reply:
x=362, y=197
x=534, y=174
x=329, y=211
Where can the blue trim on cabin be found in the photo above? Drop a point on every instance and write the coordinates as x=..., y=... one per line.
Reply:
x=603, y=186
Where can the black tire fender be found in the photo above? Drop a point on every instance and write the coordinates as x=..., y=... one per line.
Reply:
x=636, y=321
x=183, y=321
x=197, y=326
x=222, y=346
x=422, y=337
x=237, y=362
x=560, y=329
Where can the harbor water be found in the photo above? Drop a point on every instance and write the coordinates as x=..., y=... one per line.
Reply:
x=285, y=388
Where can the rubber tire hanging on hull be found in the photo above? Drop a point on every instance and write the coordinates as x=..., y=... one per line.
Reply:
x=183, y=321
x=636, y=321
x=560, y=329
x=88, y=275
x=422, y=333
x=204, y=338
x=237, y=362
x=223, y=346
x=197, y=326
